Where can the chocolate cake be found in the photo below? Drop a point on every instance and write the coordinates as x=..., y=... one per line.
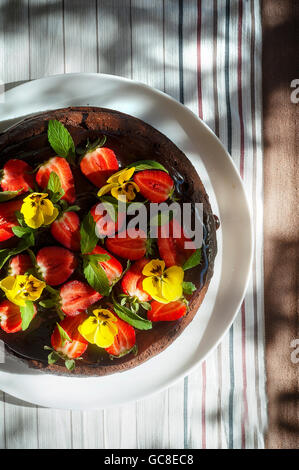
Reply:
x=131, y=140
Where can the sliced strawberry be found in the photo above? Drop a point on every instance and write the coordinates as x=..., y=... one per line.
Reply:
x=56, y=264
x=10, y=317
x=8, y=218
x=124, y=340
x=154, y=185
x=109, y=227
x=131, y=283
x=166, y=312
x=172, y=248
x=19, y=264
x=17, y=175
x=112, y=267
x=76, y=297
x=126, y=246
x=98, y=165
x=66, y=230
x=78, y=345
x=61, y=167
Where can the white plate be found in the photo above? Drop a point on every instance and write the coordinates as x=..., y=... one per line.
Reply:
x=233, y=261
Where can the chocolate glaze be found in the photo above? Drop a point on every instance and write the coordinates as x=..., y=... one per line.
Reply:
x=131, y=139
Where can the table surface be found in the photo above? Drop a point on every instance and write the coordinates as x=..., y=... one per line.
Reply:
x=161, y=42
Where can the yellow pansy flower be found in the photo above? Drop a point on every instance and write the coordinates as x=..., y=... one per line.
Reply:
x=120, y=185
x=38, y=210
x=99, y=328
x=20, y=288
x=164, y=285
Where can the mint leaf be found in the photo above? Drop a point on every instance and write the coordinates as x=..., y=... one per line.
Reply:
x=130, y=317
x=96, y=276
x=23, y=245
x=70, y=364
x=147, y=165
x=53, y=357
x=89, y=238
x=54, y=187
x=188, y=288
x=27, y=313
x=21, y=231
x=61, y=140
x=63, y=334
x=72, y=209
x=193, y=260
x=7, y=195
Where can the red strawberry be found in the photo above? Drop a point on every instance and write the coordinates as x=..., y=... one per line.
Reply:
x=61, y=167
x=76, y=297
x=78, y=345
x=172, y=248
x=66, y=230
x=10, y=317
x=109, y=227
x=8, y=218
x=166, y=312
x=112, y=267
x=98, y=165
x=126, y=246
x=154, y=185
x=124, y=340
x=19, y=264
x=17, y=175
x=131, y=283
x=56, y=264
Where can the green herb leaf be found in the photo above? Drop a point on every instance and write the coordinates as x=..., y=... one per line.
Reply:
x=130, y=317
x=72, y=209
x=21, y=231
x=89, y=238
x=53, y=357
x=61, y=140
x=63, y=334
x=193, y=260
x=133, y=350
x=96, y=276
x=147, y=165
x=54, y=187
x=23, y=245
x=7, y=195
x=188, y=288
x=145, y=305
x=27, y=313
x=48, y=303
x=70, y=364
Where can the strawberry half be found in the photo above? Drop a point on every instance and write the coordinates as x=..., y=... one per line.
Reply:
x=166, y=312
x=98, y=165
x=10, y=317
x=172, y=248
x=76, y=297
x=126, y=246
x=124, y=340
x=78, y=345
x=17, y=175
x=66, y=230
x=61, y=167
x=19, y=264
x=8, y=218
x=112, y=267
x=131, y=283
x=56, y=264
x=109, y=227
x=154, y=185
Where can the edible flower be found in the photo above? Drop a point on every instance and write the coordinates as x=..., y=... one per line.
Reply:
x=99, y=328
x=164, y=285
x=121, y=186
x=38, y=210
x=20, y=288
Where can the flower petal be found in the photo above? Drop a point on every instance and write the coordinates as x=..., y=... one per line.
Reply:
x=46, y=206
x=106, y=189
x=104, y=336
x=154, y=268
x=36, y=221
x=153, y=286
x=125, y=175
x=89, y=328
x=172, y=283
x=8, y=283
x=119, y=193
x=48, y=219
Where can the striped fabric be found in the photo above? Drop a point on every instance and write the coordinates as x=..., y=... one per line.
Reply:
x=207, y=54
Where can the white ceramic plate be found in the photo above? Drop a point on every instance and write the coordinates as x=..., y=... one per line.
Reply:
x=233, y=261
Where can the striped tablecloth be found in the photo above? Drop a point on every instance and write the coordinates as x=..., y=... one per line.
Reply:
x=207, y=54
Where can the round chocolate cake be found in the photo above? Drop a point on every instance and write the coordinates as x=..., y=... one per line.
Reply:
x=73, y=301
